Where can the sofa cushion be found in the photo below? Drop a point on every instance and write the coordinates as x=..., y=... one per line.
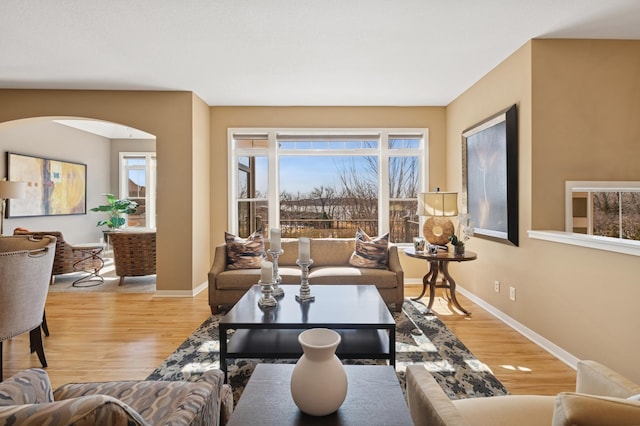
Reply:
x=331, y=251
x=509, y=410
x=244, y=253
x=290, y=249
x=88, y=410
x=582, y=409
x=157, y=402
x=242, y=279
x=370, y=252
x=381, y=278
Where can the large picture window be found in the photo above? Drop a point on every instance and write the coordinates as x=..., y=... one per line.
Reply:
x=327, y=183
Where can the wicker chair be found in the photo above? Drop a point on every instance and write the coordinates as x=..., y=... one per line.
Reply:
x=66, y=257
x=134, y=253
x=25, y=269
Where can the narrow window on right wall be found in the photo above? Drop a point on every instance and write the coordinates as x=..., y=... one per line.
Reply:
x=604, y=209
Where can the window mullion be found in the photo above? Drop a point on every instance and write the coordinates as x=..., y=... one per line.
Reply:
x=383, y=184
x=274, y=183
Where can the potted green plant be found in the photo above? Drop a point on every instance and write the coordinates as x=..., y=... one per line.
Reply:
x=463, y=233
x=116, y=209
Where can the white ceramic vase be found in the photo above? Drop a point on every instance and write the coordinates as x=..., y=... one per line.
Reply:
x=318, y=381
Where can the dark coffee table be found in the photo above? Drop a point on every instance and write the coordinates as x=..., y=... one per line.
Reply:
x=373, y=398
x=357, y=312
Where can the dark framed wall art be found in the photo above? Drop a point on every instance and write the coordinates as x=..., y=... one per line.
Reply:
x=490, y=175
x=54, y=187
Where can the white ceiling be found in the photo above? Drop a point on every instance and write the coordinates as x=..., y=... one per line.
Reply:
x=287, y=52
x=106, y=129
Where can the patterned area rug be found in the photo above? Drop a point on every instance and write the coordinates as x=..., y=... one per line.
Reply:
x=420, y=339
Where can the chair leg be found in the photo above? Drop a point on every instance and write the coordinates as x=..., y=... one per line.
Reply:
x=45, y=328
x=0, y=360
x=35, y=337
x=121, y=280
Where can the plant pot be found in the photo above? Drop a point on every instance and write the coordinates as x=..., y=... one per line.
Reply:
x=318, y=381
x=458, y=250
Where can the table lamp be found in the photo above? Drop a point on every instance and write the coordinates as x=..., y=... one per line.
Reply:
x=438, y=206
x=9, y=190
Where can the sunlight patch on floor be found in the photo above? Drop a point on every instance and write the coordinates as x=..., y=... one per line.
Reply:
x=421, y=344
x=477, y=365
x=516, y=368
x=439, y=366
x=198, y=368
x=441, y=306
x=209, y=346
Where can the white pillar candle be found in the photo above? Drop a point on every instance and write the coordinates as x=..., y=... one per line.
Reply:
x=274, y=239
x=304, y=249
x=266, y=272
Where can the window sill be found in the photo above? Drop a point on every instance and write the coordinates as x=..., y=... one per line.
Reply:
x=630, y=247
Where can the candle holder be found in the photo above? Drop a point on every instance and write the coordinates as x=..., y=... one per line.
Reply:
x=305, y=291
x=277, y=279
x=267, y=300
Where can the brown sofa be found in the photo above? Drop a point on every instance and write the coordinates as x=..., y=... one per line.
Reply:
x=330, y=266
x=600, y=399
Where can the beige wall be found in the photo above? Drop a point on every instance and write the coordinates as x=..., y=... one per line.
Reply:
x=578, y=102
x=42, y=137
x=586, y=106
x=200, y=204
x=167, y=115
x=223, y=118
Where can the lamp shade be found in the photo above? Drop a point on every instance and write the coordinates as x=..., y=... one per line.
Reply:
x=9, y=190
x=438, y=204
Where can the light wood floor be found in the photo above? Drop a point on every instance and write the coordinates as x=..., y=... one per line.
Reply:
x=122, y=336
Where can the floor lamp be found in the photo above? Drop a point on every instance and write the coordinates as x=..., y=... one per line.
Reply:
x=438, y=206
x=9, y=190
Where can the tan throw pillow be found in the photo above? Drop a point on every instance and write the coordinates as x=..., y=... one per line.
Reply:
x=591, y=410
x=244, y=253
x=370, y=252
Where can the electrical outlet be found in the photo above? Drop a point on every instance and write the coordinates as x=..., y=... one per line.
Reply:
x=512, y=293
x=496, y=286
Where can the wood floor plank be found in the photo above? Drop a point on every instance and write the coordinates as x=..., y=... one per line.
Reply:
x=124, y=336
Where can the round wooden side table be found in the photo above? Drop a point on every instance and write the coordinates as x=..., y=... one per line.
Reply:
x=440, y=263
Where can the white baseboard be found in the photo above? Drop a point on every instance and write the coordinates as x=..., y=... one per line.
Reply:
x=545, y=344
x=183, y=293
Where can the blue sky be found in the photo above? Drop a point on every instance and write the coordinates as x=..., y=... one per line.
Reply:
x=303, y=174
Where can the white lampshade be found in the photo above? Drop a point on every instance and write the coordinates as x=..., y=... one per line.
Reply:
x=438, y=204
x=10, y=190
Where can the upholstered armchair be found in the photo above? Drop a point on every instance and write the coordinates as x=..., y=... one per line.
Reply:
x=28, y=398
x=66, y=257
x=134, y=253
x=25, y=269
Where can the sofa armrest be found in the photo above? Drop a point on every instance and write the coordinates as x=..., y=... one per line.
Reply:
x=31, y=386
x=394, y=263
x=216, y=379
x=596, y=379
x=428, y=403
x=86, y=410
x=219, y=261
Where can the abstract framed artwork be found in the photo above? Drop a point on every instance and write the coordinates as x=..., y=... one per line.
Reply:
x=54, y=187
x=490, y=176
